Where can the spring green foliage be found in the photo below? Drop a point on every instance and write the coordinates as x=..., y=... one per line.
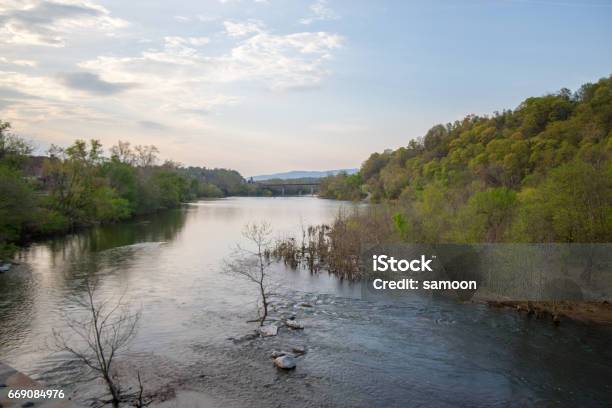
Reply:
x=539, y=173
x=342, y=187
x=78, y=186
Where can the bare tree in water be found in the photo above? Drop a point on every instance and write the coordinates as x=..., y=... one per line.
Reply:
x=253, y=263
x=100, y=336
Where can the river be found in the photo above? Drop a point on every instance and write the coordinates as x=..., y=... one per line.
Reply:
x=422, y=352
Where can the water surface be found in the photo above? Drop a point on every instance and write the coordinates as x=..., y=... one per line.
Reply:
x=422, y=352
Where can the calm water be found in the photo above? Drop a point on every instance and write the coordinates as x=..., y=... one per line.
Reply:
x=422, y=352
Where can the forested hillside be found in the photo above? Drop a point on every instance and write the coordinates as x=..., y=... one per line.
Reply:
x=538, y=173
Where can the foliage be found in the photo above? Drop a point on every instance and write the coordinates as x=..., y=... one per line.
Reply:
x=342, y=187
x=78, y=186
x=538, y=173
x=16, y=204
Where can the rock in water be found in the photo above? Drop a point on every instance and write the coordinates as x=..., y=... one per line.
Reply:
x=267, y=331
x=285, y=362
x=294, y=324
x=5, y=267
x=299, y=350
x=276, y=353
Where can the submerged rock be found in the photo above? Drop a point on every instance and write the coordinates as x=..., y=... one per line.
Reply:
x=267, y=331
x=285, y=362
x=276, y=354
x=299, y=349
x=304, y=304
x=294, y=324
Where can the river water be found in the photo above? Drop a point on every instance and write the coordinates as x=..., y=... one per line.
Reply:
x=420, y=352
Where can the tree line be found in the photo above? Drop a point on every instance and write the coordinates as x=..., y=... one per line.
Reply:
x=79, y=186
x=538, y=173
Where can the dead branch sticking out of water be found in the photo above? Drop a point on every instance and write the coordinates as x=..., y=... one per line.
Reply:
x=322, y=248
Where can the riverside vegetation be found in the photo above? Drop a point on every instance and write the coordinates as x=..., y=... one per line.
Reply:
x=538, y=173
x=79, y=186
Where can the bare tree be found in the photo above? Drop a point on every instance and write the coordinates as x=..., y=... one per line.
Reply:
x=123, y=152
x=145, y=156
x=101, y=334
x=253, y=263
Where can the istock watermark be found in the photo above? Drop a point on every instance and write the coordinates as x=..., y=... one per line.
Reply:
x=389, y=263
x=546, y=272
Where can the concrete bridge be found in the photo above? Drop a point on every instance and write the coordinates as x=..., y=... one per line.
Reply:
x=283, y=187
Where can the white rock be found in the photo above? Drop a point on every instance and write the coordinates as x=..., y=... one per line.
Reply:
x=267, y=331
x=285, y=362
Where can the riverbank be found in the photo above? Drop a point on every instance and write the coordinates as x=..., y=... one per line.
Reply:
x=588, y=312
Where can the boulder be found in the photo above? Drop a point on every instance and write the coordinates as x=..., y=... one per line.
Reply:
x=294, y=324
x=267, y=331
x=285, y=362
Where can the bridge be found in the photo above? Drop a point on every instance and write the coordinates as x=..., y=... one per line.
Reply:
x=283, y=187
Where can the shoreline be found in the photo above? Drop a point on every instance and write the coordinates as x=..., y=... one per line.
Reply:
x=586, y=312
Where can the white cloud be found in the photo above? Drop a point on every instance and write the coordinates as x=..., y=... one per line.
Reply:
x=18, y=62
x=33, y=86
x=242, y=29
x=48, y=23
x=280, y=62
x=319, y=11
x=197, y=18
x=186, y=41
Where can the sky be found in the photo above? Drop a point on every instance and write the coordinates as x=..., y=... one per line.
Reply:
x=266, y=86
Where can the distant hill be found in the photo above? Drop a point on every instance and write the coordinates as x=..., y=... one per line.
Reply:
x=302, y=174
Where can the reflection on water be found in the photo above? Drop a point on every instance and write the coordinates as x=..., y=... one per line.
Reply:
x=421, y=351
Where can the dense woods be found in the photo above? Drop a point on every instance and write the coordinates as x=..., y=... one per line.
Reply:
x=80, y=186
x=538, y=173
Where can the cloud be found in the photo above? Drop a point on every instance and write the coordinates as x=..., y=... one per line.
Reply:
x=152, y=125
x=279, y=61
x=185, y=41
x=39, y=86
x=319, y=11
x=242, y=29
x=91, y=83
x=47, y=23
x=18, y=62
x=197, y=18
x=34, y=98
x=7, y=93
